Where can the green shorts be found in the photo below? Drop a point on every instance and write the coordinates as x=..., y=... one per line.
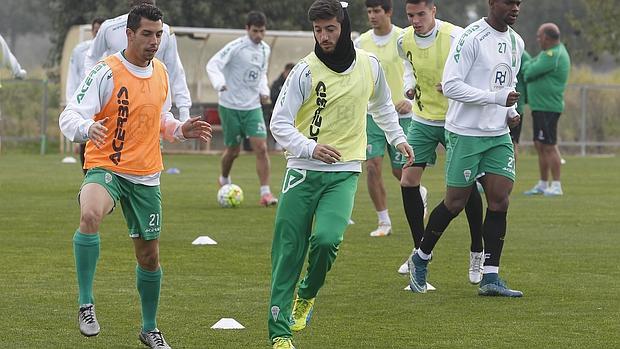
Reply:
x=141, y=204
x=424, y=139
x=468, y=158
x=238, y=124
x=376, y=143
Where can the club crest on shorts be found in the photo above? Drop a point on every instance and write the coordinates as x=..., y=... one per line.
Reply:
x=107, y=178
x=467, y=174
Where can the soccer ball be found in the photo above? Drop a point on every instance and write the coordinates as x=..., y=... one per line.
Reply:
x=230, y=195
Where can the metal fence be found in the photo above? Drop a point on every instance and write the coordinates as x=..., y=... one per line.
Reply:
x=29, y=112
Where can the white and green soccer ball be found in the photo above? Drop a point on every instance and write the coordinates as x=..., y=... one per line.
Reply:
x=230, y=195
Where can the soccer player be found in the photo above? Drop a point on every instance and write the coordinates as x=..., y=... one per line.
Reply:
x=239, y=73
x=320, y=119
x=515, y=132
x=381, y=41
x=479, y=79
x=111, y=39
x=546, y=76
x=121, y=109
x=425, y=46
x=8, y=60
x=77, y=73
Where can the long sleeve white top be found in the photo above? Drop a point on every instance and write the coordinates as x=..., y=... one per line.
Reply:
x=112, y=38
x=298, y=88
x=76, y=72
x=479, y=74
x=8, y=60
x=92, y=97
x=241, y=66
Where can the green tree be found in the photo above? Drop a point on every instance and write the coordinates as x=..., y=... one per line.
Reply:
x=597, y=26
x=23, y=16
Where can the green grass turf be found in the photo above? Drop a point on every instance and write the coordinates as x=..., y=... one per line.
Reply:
x=562, y=252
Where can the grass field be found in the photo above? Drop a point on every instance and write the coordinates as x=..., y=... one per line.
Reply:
x=561, y=252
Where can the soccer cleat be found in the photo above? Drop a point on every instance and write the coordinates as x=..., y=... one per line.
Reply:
x=536, y=190
x=417, y=273
x=382, y=230
x=492, y=285
x=553, y=191
x=404, y=268
x=302, y=312
x=476, y=265
x=282, y=343
x=268, y=200
x=89, y=326
x=424, y=195
x=153, y=339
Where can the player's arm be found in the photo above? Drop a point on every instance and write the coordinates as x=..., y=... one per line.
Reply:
x=457, y=68
x=73, y=75
x=76, y=120
x=264, y=82
x=296, y=90
x=546, y=62
x=409, y=80
x=215, y=66
x=383, y=112
x=178, y=82
x=8, y=60
x=97, y=49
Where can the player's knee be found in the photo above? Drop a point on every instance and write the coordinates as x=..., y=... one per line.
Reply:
x=260, y=148
x=499, y=204
x=232, y=153
x=409, y=179
x=148, y=259
x=90, y=220
x=373, y=169
x=327, y=242
x=397, y=173
x=455, y=206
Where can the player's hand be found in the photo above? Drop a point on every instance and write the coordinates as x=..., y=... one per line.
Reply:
x=264, y=99
x=326, y=153
x=410, y=94
x=407, y=151
x=439, y=88
x=223, y=88
x=21, y=75
x=196, y=128
x=403, y=107
x=513, y=98
x=514, y=121
x=97, y=132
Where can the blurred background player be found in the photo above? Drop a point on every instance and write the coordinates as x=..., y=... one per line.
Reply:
x=381, y=41
x=9, y=61
x=425, y=46
x=111, y=39
x=274, y=93
x=320, y=120
x=239, y=73
x=477, y=138
x=124, y=162
x=546, y=76
x=76, y=72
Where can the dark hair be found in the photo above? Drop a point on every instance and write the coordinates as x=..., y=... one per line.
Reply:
x=289, y=66
x=552, y=33
x=256, y=18
x=133, y=3
x=386, y=5
x=326, y=9
x=147, y=11
x=429, y=3
x=97, y=20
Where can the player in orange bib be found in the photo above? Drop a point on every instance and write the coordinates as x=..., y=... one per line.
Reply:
x=121, y=109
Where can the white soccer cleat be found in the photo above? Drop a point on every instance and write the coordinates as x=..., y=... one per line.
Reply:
x=536, y=190
x=424, y=195
x=476, y=266
x=553, y=191
x=153, y=339
x=382, y=230
x=89, y=326
x=404, y=269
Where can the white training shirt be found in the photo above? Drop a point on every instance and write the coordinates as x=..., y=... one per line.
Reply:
x=78, y=115
x=298, y=88
x=423, y=41
x=76, y=72
x=241, y=66
x=8, y=60
x=382, y=41
x=112, y=38
x=480, y=73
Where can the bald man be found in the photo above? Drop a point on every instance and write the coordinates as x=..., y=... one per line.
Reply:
x=546, y=76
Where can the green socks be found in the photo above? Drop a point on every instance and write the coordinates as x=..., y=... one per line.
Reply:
x=86, y=252
x=148, y=284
